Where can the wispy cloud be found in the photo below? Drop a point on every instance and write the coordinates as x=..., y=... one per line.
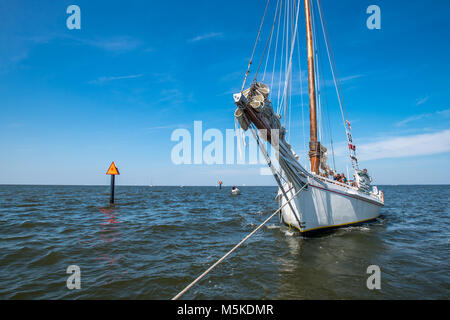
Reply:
x=355, y=76
x=406, y=146
x=119, y=44
x=206, y=36
x=107, y=79
x=443, y=113
x=116, y=44
x=169, y=126
x=422, y=100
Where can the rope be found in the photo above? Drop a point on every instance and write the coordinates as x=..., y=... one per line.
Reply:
x=336, y=80
x=289, y=62
x=269, y=40
x=281, y=60
x=332, y=65
x=182, y=292
x=275, y=55
x=254, y=47
x=301, y=97
x=328, y=132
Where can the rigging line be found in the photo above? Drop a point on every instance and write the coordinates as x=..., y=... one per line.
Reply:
x=289, y=70
x=254, y=47
x=336, y=82
x=325, y=32
x=267, y=43
x=280, y=108
x=301, y=96
x=283, y=55
x=321, y=84
x=290, y=108
x=281, y=62
x=275, y=53
x=182, y=292
x=316, y=47
x=326, y=114
x=288, y=14
x=286, y=100
x=324, y=110
x=333, y=60
x=270, y=44
x=291, y=126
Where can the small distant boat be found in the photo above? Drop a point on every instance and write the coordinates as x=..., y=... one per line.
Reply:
x=235, y=191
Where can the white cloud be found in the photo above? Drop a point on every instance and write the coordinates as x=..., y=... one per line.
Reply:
x=422, y=101
x=169, y=126
x=118, y=44
x=107, y=79
x=408, y=146
x=443, y=113
x=206, y=36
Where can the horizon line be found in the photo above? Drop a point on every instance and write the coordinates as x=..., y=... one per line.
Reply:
x=178, y=185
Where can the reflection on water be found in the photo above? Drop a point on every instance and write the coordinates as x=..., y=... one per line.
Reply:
x=332, y=266
x=110, y=233
x=154, y=241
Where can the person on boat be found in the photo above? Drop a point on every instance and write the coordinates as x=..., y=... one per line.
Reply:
x=336, y=177
x=343, y=178
x=365, y=171
x=233, y=188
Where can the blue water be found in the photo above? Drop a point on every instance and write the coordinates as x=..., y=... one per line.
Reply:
x=156, y=240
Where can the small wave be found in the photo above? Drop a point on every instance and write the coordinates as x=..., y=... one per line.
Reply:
x=27, y=224
x=28, y=205
x=49, y=259
x=257, y=213
x=198, y=210
x=357, y=228
x=18, y=255
x=18, y=237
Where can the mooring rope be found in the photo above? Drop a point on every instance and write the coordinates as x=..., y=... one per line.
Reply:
x=235, y=247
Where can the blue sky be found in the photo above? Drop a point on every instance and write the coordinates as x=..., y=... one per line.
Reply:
x=72, y=101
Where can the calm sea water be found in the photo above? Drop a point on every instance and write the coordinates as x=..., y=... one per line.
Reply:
x=156, y=240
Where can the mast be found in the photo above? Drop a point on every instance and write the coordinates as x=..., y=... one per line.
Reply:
x=314, y=145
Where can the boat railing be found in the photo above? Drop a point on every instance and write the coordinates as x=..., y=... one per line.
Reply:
x=379, y=195
x=334, y=182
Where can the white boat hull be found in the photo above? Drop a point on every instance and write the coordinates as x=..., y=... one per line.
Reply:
x=324, y=204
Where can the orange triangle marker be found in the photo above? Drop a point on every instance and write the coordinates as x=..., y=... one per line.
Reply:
x=112, y=170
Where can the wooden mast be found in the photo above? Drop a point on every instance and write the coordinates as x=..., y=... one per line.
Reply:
x=314, y=145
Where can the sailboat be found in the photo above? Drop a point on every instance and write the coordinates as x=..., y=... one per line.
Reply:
x=312, y=199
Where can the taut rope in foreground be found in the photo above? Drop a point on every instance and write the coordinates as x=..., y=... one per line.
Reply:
x=235, y=247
